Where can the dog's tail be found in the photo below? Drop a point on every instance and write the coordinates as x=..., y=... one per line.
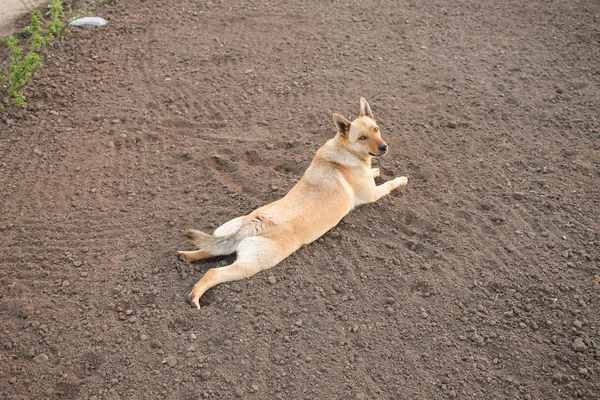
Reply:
x=222, y=245
x=215, y=245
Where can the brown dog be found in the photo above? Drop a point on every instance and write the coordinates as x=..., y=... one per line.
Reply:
x=339, y=178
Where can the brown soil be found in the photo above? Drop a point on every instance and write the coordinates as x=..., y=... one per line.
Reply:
x=475, y=282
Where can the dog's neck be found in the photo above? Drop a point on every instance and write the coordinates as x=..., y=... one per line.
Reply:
x=337, y=152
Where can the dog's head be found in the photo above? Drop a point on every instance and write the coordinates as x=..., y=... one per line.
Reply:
x=361, y=136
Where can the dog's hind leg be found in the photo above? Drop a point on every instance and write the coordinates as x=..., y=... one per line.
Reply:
x=195, y=255
x=254, y=255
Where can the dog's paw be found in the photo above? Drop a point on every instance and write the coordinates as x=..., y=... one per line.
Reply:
x=401, y=181
x=376, y=172
x=183, y=255
x=194, y=298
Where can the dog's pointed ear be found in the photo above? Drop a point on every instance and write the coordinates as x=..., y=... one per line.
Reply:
x=365, y=110
x=341, y=123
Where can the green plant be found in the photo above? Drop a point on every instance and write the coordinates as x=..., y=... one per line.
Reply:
x=21, y=68
x=56, y=24
x=25, y=60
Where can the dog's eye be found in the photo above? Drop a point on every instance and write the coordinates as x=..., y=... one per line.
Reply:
x=376, y=129
x=362, y=138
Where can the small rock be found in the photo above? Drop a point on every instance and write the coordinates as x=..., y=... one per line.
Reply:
x=452, y=125
x=518, y=195
x=40, y=358
x=193, y=336
x=298, y=323
x=478, y=339
x=583, y=371
x=577, y=324
x=510, y=248
x=13, y=380
x=559, y=91
x=143, y=337
x=66, y=284
x=239, y=392
x=578, y=345
x=272, y=280
x=205, y=375
x=77, y=263
x=171, y=361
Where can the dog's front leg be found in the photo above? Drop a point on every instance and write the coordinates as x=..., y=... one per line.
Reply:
x=375, y=172
x=385, y=188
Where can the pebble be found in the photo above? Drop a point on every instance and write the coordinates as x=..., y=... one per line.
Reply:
x=205, y=375
x=298, y=323
x=239, y=392
x=452, y=125
x=40, y=358
x=510, y=248
x=577, y=324
x=478, y=339
x=143, y=337
x=171, y=361
x=271, y=279
x=578, y=345
x=518, y=195
x=193, y=336
x=77, y=263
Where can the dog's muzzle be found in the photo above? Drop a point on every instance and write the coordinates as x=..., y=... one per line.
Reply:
x=383, y=149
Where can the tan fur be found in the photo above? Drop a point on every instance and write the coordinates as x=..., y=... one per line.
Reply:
x=339, y=179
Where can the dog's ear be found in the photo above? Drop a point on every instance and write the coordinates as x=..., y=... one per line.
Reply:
x=341, y=123
x=365, y=110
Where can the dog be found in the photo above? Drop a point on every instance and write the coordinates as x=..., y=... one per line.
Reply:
x=339, y=179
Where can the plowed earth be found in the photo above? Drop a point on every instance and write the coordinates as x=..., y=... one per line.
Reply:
x=476, y=281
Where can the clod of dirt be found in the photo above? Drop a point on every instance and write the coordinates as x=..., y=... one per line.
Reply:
x=579, y=345
x=171, y=361
x=478, y=339
x=40, y=358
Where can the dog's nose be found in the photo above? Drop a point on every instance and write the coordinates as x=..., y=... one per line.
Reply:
x=382, y=147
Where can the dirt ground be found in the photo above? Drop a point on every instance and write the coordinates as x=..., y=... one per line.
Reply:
x=477, y=281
